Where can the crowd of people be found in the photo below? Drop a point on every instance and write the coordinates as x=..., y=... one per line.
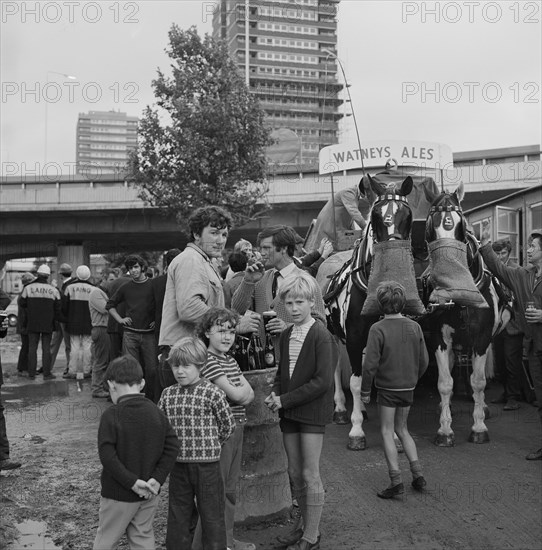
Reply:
x=172, y=337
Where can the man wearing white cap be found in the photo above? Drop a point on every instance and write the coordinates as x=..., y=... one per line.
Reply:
x=42, y=304
x=78, y=323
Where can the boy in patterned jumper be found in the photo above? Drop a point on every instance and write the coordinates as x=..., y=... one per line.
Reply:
x=203, y=421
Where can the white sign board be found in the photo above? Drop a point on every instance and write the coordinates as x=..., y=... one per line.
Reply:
x=347, y=156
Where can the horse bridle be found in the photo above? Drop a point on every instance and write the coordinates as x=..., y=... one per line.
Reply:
x=390, y=197
x=447, y=222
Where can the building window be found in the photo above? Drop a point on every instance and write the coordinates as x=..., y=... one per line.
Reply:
x=536, y=216
x=507, y=228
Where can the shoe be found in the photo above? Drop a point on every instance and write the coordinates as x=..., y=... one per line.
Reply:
x=7, y=464
x=419, y=483
x=100, y=394
x=22, y=373
x=240, y=545
x=511, y=405
x=390, y=492
x=501, y=400
x=303, y=544
x=68, y=376
x=536, y=455
x=39, y=371
x=290, y=538
x=66, y=370
x=50, y=376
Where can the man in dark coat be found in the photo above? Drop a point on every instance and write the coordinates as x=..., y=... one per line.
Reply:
x=42, y=304
x=526, y=284
x=5, y=462
x=22, y=331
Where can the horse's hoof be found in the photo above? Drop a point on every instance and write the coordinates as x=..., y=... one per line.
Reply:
x=442, y=440
x=340, y=417
x=357, y=443
x=487, y=412
x=479, y=437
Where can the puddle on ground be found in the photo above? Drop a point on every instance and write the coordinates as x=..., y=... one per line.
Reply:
x=34, y=391
x=32, y=537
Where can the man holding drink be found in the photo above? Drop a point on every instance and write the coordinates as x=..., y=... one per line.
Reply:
x=262, y=281
x=526, y=283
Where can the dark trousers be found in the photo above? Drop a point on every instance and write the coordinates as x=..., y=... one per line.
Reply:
x=101, y=347
x=203, y=481
x=115, y=345
x=508, y=353
x=165, y=376
x=22, y=362
x=60, y=336
x=535, y=368
x=142, y=346
x=4, y=443
x=33, y=341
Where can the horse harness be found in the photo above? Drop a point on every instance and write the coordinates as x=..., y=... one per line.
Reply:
x=448, y=222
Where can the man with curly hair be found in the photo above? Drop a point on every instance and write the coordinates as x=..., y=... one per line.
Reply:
x=193, y=283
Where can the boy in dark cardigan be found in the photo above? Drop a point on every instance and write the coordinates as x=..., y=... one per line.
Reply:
x=137, y=448
x=303, y=395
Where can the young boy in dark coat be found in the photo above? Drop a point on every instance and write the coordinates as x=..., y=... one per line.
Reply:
x=137, y=448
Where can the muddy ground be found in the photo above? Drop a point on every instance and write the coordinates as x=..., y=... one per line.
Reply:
x=479, y=496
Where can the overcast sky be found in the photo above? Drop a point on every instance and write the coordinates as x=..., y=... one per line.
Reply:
x=466, y=74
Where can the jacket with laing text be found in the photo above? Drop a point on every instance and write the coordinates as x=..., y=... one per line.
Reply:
x=42, y=304
x=75, y=307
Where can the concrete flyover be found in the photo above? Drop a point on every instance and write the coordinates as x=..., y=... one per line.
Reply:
x=72, y=216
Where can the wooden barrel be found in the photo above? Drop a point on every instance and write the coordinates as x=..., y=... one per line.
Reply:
x=263, y=491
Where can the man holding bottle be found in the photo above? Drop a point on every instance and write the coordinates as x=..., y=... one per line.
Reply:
x=259, y=288
x=526, y=283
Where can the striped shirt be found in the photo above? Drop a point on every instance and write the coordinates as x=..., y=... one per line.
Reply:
x=201, y=418
x=217, y=366
x=297, y=337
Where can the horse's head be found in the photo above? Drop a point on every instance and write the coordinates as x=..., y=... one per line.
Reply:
x=391, y=216
x=446, y=219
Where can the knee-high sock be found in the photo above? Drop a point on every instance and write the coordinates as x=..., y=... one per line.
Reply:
x=315, y=504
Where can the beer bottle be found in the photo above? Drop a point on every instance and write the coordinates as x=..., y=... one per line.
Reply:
x=258, y=352
x=269, y=351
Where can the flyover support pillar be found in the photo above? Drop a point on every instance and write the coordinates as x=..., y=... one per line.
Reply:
x=73, y=254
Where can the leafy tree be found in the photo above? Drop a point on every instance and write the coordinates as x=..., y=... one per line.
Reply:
x=204, y=141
